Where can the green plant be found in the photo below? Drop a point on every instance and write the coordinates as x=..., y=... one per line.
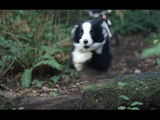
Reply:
x=29, y=43
x=39, y=83
x=120, y=85
x=131, y=108
x=128, y=22
x=153, y=39
x=151, y=51
x=54, y=93
x=57, y=77
x=26, y=78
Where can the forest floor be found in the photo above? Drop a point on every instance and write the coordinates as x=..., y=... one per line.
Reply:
x=125, y=61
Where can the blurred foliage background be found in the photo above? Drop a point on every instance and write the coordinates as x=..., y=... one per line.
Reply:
x=38, y=42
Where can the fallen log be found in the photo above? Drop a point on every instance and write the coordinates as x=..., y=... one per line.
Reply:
x=142, y=87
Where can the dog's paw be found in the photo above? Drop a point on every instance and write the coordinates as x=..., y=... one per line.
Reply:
x=83, y=57
x=78, y=67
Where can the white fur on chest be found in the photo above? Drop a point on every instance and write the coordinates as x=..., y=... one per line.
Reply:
x=80, y=57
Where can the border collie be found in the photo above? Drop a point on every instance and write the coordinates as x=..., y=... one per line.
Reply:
x=90, y=44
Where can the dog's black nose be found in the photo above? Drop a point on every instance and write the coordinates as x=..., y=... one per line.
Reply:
x=85, y=41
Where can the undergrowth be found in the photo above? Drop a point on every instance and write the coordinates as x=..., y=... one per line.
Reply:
x=28, y=43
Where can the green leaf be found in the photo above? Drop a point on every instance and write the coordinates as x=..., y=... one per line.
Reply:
x=75, y=73
x=121, y=83
x=39, y=84
x=135, y=108
x=55, y=78
x=50, y=84
x=65, y=76
x=124, y=97
x=54, y=93
x=136, y=103
x=34, y=81
x=128, y=108
x=26, y=78
x=18, y=18
x=121, y=107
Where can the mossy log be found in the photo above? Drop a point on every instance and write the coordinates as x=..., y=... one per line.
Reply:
x=143, y=87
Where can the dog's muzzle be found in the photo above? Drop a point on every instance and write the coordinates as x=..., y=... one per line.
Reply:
x=86, y=47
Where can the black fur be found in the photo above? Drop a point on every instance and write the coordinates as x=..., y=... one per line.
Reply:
x=102, y=61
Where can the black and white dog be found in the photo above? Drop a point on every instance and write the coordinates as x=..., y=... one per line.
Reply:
x=90, y=44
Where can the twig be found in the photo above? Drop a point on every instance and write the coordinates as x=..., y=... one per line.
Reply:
x=16, y=35
x=67, y=21
x=22, y=62
x=55, y=26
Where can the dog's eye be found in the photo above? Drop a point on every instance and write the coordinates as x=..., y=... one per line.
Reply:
x=80, y=33
x=91, y=32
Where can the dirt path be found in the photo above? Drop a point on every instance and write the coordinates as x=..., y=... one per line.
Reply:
x=125, y=57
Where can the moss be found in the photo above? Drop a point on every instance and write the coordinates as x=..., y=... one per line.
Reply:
x=6, y=103
x=94, y=87
x=137, y=89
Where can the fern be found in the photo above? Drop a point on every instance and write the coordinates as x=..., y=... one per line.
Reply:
x=53, y=63
x=48, y=60
x=26, y=78
x=55, y=78
x=6, y=60
x=55, y=51
x=46, y=56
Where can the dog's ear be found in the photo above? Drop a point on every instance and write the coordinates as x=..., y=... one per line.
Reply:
x=73, y=31
x=79, y=22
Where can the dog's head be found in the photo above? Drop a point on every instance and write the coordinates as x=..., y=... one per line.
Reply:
x=88, y=34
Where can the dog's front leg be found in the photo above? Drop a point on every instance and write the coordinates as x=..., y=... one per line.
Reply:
x=78, y=66
x=82, y=57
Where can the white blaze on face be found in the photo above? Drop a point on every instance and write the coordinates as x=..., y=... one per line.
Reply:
x=86, y=34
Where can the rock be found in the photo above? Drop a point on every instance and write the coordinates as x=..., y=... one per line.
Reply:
x=26, y=90
x=45, y=89
x=54, y=89
x=20, y=108
x=83, y=82
x=150, y=61
x=136, y=53
x=34, y=91
x=155, y=41
x=19, y=95
x=77, y=84
x=137, y=71
x=73, y=85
